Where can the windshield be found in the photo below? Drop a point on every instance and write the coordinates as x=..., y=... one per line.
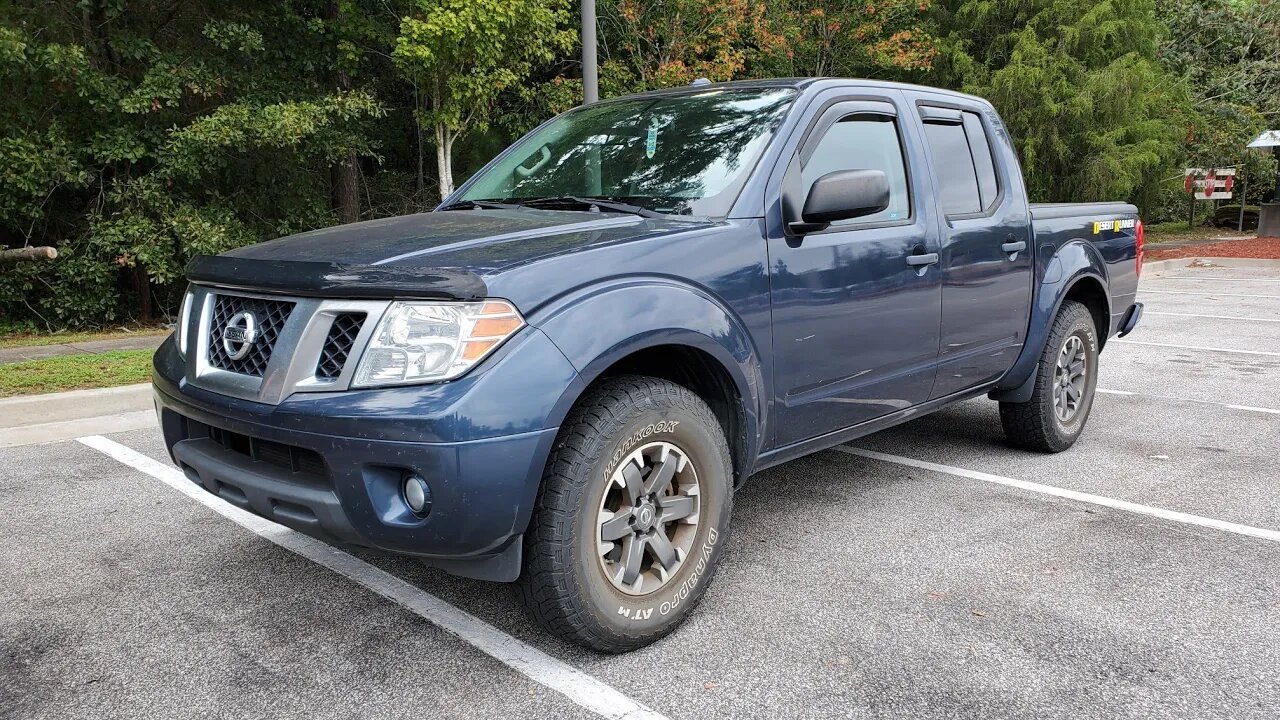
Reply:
x=677, y=154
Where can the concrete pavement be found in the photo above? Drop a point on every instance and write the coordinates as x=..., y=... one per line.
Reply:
x=852, y=587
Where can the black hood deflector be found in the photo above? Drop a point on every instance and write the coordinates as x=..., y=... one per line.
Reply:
x=325, y=279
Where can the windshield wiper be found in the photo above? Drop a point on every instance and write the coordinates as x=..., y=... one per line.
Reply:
x=599, y=203
x=473, y=204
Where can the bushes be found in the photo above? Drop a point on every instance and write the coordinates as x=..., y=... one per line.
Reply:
x=136, y=135
x=140, y=138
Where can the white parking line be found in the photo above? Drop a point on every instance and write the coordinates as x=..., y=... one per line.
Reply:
x=1217, y=279
x=583, y=689
x=1145, y=291
x=1172, y=515
x=1250, y=408
x=1213, y=317
x=1199, y=347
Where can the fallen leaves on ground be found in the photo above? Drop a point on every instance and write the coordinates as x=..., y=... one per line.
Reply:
x=1267, y=248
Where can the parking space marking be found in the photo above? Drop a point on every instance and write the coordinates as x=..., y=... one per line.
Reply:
x=1250, y=408
x=1213, y=317
x=1199, y=347
x=1217, y=279
x=1172, y=515
x=1145, y=291
x=579, y=687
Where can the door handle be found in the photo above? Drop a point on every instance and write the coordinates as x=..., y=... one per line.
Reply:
x=1013, y=248
x=922, y=260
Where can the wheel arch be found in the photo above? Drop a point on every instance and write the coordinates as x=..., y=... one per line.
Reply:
x=682, y=335
x=1075, y=272
x=1089, y=291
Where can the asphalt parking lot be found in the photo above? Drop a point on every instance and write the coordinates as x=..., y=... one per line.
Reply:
x=945, y=575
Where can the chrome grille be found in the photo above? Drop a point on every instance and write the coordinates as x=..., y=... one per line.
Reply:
x=270, y=316
x=299, y=344
x=337, y=345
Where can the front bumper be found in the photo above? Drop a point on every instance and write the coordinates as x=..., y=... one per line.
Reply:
x=293, y=464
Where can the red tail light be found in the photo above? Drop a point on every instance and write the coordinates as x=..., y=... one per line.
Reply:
x=1140, y=237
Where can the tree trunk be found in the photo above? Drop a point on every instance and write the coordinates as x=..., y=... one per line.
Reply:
x=345, y=181
x=142, y=285
x=444, y=159
x=344, y=175
x=417, y=138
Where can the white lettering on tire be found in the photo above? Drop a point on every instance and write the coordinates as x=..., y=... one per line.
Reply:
x=637, y=436
x=691, y=582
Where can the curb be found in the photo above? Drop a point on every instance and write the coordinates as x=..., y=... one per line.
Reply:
x=74, y=405
x=1180, y=263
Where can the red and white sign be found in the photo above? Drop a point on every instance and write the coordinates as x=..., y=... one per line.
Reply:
x=1210, y=183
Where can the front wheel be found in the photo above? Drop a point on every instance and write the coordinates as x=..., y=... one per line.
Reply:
x=1067, y=374
x=632, y=516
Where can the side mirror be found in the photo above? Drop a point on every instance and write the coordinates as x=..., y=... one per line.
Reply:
x=842, y=195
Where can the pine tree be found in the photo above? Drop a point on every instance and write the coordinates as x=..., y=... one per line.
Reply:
x=1078, y=82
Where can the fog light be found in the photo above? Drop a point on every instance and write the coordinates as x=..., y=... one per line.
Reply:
x=417, y=495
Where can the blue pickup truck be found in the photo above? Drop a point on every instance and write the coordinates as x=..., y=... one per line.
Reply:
x=559, y=377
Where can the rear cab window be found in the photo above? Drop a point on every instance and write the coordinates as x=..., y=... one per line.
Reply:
x=963, y=165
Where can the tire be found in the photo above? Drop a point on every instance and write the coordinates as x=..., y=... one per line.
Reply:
x=1039, y=423
x=619, y=440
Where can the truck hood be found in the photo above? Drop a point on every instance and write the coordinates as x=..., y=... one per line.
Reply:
x=432, y=255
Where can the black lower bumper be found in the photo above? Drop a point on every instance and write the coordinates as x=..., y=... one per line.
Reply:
x=295, y=498
x=348, y=490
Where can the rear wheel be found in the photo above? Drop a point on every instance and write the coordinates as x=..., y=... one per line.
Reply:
x=1067, y=374
x=631, y=518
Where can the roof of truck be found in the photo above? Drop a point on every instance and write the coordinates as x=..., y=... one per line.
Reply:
x=803, y=83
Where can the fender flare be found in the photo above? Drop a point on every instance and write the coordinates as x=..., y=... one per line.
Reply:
x=597, y=326
x=1075, y=261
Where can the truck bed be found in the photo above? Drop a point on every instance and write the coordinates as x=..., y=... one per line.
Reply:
x=1109, y=228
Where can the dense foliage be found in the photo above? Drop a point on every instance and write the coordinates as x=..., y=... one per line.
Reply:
x=137, y=133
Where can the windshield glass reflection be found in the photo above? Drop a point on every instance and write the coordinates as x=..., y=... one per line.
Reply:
x=677, y=154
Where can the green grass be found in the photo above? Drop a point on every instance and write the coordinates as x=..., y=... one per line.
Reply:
x=1167, y=228
x=29, y=338
x=1179, y=231
x=75, y=372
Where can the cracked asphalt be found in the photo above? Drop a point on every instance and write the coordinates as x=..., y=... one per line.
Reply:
x=851, y=587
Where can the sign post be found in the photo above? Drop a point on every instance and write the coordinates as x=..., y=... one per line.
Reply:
x=1244, y=196
x=1207, y=184
x=590, y=75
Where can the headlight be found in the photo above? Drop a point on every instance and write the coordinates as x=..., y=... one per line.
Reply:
x=424, y=341
x=184, y=320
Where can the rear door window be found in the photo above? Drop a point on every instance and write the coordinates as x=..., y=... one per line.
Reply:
x=953, y=168
x=962, y=161
x=983, y=163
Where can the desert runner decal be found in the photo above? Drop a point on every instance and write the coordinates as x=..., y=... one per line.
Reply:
x=1113, y=225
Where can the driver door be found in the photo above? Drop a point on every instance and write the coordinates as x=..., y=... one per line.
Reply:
x=856, y=324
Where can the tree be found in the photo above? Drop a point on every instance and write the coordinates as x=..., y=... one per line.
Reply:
x=136, y=135
x=1228, y=54
x=646, y=45
x=848, y=38
x=1078, y=83
x=464, y=53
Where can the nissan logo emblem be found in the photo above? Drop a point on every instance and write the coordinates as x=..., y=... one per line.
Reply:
x=239, y=334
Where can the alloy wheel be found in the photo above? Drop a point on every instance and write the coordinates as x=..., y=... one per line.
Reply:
x=648, y=518
x=1069, y=379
